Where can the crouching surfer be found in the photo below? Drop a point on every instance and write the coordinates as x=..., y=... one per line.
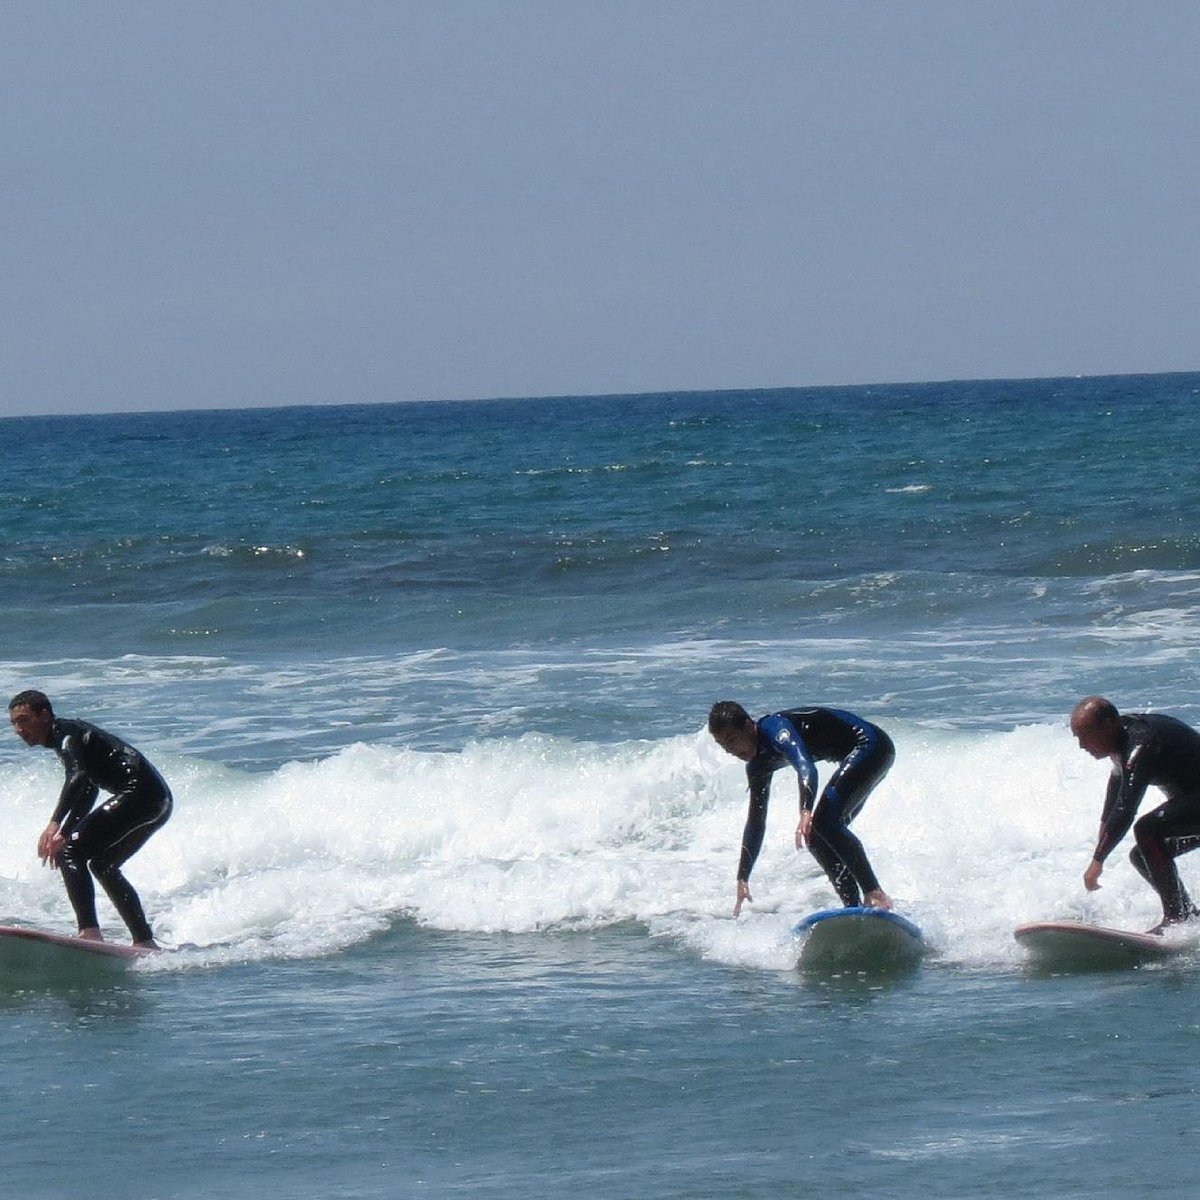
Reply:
x=82, y=840
x=1146, y=749
x=864, y=754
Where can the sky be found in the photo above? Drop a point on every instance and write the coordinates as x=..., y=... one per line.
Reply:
x=231, y=204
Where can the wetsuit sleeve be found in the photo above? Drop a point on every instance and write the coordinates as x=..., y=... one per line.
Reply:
x=79, y=792
x=756, y=825
x=785, y=738
x=1126, y=788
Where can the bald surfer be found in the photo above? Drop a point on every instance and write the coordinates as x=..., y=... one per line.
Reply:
x=1146, y=750
x=82, y=840
x=795, y=737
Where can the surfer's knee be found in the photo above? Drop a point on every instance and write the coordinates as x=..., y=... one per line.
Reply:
x=71, y=859
x=1145, y=831
x=1138, y=861
x=104, y=870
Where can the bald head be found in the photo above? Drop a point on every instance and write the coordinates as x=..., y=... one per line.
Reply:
x=1097, y=726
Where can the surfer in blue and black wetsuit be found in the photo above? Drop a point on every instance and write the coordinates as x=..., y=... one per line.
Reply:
x=796, y=737
x=1146, y=749
x=81, y=836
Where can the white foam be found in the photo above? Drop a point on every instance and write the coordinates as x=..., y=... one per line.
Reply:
x=973, y=833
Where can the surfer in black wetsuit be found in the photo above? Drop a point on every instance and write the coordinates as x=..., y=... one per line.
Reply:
x=864, y=754
x=80, y=836
x=1146, y=749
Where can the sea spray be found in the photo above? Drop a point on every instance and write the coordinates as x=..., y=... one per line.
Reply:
x=972, y=833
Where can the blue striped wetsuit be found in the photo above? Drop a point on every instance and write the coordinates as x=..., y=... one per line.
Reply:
x=864, y=754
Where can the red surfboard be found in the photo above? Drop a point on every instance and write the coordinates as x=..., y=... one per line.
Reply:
x=38, y=956
x=1075, y=943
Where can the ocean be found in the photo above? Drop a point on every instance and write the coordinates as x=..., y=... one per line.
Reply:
x=450, y=876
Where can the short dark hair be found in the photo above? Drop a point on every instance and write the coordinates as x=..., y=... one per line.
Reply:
x=31, y=698
x=727, y=714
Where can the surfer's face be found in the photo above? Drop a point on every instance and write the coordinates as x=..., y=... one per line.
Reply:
x=1099, y=738
x=741, y=741
x=32, y=725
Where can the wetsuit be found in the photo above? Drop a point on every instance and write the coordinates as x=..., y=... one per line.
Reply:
x=797, y=737
x=104, y=838
x=1162, y=752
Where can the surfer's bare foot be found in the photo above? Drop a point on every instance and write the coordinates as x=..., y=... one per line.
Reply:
x=92, y=934
x=151, y=944
x=1167, y=923
x=1170, y=922
x=877, y=899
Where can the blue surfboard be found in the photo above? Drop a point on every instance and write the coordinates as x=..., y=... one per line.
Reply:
x=858, y=939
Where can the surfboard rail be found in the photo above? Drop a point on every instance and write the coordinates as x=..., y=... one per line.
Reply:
x=67, y=941
x=882, y=914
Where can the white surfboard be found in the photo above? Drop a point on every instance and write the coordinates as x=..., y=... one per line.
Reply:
x=1077, y=944
x=858, y=939
x=36, y=955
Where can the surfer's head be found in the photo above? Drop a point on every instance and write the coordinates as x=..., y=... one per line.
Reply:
x=31, y=716
x=733, y=729
x=1097, y=727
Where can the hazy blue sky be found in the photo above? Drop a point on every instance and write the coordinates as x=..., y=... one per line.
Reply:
x=214, y=204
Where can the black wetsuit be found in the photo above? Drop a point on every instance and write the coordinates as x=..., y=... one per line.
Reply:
x=797, y=737
x=105, y=837
x=1162, y=752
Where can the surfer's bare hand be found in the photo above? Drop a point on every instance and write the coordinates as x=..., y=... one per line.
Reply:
x=50, y=845
x=743, y=895
x=1091, y=877
x=804, y=830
